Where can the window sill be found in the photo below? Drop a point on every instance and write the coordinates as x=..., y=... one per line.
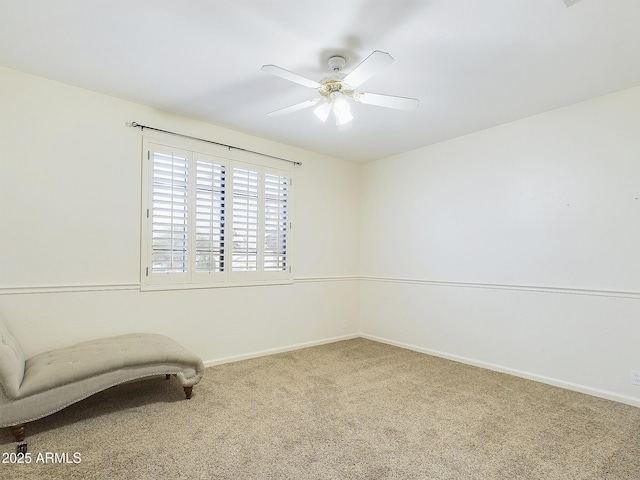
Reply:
x=200, y=286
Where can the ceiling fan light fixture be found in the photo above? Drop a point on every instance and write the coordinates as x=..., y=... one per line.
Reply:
x=322, y=111
x=342, y=111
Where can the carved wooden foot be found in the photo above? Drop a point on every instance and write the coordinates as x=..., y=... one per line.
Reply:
x=18, y=432
x=187, y=391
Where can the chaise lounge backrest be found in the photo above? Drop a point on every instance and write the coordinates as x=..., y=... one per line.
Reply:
x=12, y=362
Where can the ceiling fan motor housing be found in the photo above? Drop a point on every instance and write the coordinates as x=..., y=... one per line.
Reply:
x=334, y=83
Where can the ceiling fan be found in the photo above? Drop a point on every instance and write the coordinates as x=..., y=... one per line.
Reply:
x=336, y=89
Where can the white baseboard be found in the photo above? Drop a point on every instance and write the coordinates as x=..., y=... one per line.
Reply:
x=273, y=351
x=634, y=401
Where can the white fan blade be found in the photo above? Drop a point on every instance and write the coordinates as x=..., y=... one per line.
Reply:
x=287, y=75
x=296, y=107
x=368, y=68
x=389, y=101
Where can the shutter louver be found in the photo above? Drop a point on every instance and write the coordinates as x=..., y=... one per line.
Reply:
x=169, y=214
x=245, y=220
x=276, y=222
x=209, y=221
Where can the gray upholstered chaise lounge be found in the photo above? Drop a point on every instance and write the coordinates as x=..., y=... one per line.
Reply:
x=48, y=382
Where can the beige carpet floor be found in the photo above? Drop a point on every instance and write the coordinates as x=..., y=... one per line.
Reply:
x=355, y=409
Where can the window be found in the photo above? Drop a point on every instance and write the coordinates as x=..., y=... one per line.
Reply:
x=213, y=217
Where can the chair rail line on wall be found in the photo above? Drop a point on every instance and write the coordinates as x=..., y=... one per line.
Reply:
x=40, y=289
x=524, y=288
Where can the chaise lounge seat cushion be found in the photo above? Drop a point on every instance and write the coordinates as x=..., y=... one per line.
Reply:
x=50, y=381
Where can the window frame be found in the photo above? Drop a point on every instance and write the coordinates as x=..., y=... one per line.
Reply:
x=231, y=159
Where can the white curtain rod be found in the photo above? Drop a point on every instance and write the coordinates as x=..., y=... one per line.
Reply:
x=142, y=127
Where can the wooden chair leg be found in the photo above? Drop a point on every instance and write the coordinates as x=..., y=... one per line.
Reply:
x=18, y=432
x=187, y=390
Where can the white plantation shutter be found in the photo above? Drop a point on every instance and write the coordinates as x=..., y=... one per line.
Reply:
x=276, y=222
x=169, y=213
x=245, y=220
x=209, y=212
x=211, y=220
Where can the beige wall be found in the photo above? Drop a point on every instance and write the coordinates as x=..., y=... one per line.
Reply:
x=70, y=187
x=515, y=248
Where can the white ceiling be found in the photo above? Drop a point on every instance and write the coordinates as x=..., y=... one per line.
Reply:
x=473, y=64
